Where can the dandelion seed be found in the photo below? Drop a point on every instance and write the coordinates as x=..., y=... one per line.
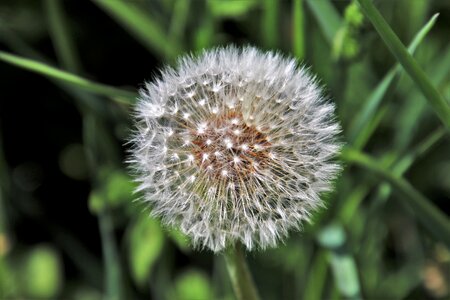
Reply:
x=256, y=141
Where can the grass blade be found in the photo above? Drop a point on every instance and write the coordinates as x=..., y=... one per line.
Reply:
x=428, y=215
x=117, y=94
x=399, y=164
x=298, y=38
x=317, y=277
x=144, y=29
x=363, y=118
x=407, y=160
x=179, y=19
x=64, y=45
x=270, y=23
x=439, y=104
x=111, y=260
x=327, y=17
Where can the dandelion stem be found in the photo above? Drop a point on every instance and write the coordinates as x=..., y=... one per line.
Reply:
x=113, y=279
x=240, y=276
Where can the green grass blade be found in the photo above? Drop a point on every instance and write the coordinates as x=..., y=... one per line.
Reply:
x=411, y=116
x=117, y=94
x=422, y=33
x=363, y=118
x=298, y=30
x=64, y=45
x=317, y=277
x=179, y=19
x=407, y=160
x=439, y=104
x=270, y=23
x=399, y=164
x=369, y=128
x=327, y=16
x=142, y=27
x=428, y=215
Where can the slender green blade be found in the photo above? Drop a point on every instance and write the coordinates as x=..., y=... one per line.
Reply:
x=438, y=103
x=64, y=45
x=179, y=19
x=363, y=119
x=327, y=16
x=317, y=277
x=141, y=26
x=270, y=23
x=117, y=94
x=427, y=213
x=298, y=38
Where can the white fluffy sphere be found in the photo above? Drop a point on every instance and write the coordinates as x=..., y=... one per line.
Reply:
x=234, y=145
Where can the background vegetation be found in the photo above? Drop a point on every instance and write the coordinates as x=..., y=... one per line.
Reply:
x=69, y=228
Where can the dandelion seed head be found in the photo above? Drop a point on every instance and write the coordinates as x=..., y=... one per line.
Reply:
x=234, y=145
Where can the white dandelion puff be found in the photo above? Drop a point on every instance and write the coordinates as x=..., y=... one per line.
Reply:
x=234, y=145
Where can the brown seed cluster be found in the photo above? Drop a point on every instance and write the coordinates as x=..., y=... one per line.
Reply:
x=227, y=147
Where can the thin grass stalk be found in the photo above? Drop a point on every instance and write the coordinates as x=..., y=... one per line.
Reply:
x=439, y=104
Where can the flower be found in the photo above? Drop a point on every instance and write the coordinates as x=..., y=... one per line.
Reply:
x=234, y=145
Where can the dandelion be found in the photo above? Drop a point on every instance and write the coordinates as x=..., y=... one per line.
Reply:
x=235, y=145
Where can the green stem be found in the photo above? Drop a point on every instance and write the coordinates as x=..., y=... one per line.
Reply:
x=240, y=276
x=61, y=38
x=113, y=279
x=394, y=44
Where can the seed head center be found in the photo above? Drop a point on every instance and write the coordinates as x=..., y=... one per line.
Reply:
x=225, y=146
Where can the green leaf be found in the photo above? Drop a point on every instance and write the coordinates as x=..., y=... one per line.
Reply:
x=96, y=202
x=191, y=285
x=332, y=236
x=146, y=240
x=345, y=274
x=437, y=102
x=235, y=8
x=358, y=132
x=116, y=94
x=119, y=188
x=40, y=273
x=353, y=15
x=327, y=16
x=142, y=27
x=428, y=215
x=343, y=265
x=116, y=188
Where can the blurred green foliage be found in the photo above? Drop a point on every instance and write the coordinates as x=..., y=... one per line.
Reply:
x=384, y=234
